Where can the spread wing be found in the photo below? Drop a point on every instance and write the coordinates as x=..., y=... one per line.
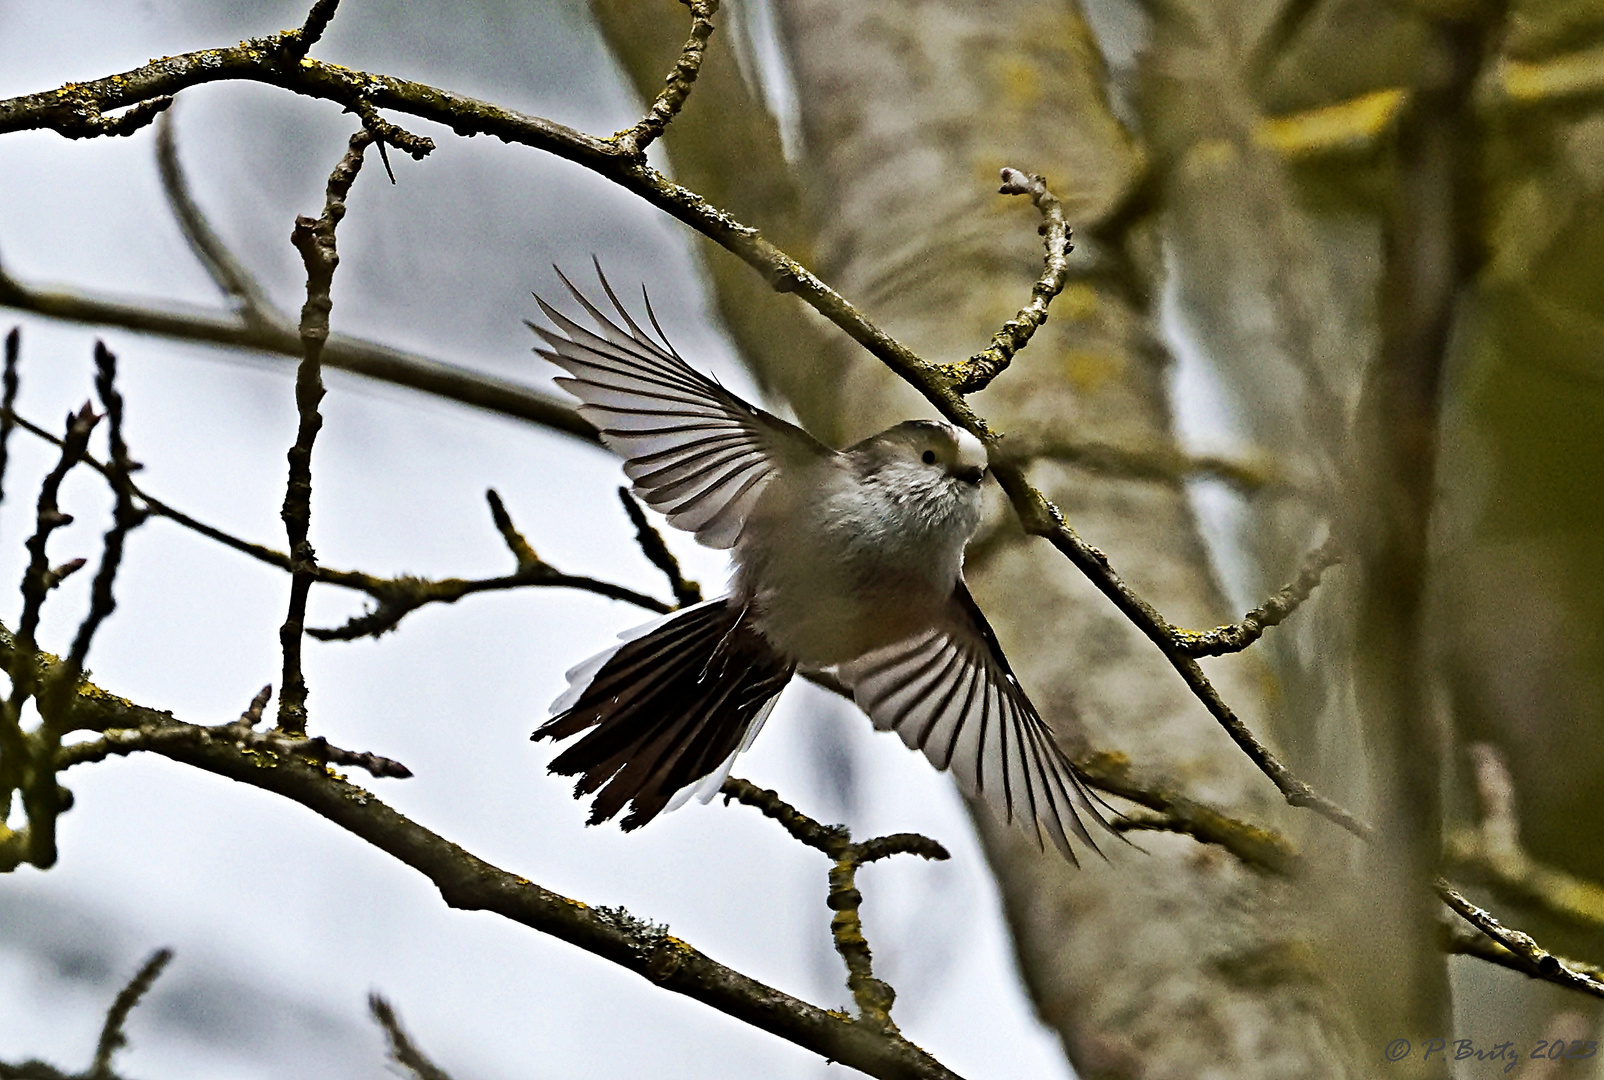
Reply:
x=693, y=450
x=950, y=693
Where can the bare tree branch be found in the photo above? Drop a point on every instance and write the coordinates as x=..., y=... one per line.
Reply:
x=633, y=141
x=1274, y=611
x=258, y=325
x=1540, y=962
x=1255, y=845
x=402, y=1050
x=874, y=996
x=341, y=352
x=253, y=61
x=977, y=372
x=471, y=884
x=298, y=42
x=112, y=1038
x=314, y=239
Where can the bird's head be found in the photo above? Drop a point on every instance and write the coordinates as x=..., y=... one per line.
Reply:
x=931, y=446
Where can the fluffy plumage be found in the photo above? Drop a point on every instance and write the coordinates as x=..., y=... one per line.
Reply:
x=848, y=560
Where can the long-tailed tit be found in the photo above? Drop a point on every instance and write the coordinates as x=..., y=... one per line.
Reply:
x=849, y=560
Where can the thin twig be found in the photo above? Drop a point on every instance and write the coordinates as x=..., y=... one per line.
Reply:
x=384, y=132
x=13, y=351
x=168, y=734
x=402, y=1050
x=977, y=372
x=1545, y=965
x=49, y=518
x=397, y=597
x=153, y=733
x=112, y=1038
x=298, y=42
x=1041, y=518
x=656, y=551
x=30, y=769
x=1238, y=636
x=314, y=239
x=633, y=141
x=874, y=997
x=126, y=515
x=522, y=552
x=237, y=284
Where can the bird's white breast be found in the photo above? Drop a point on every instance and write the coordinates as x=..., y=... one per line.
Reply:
x=834, y=565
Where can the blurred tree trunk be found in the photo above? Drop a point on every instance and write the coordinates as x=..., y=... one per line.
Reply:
x=1180, y=961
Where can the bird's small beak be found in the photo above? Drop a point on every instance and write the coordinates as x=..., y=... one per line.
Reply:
x=972, y=474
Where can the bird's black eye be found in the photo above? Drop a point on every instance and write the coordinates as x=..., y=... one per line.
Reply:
x=928, y=457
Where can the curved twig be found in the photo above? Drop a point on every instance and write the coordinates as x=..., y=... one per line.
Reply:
x=1238, y=636
x=314, y=238
x=1538, y=960
x=977, y=372
x=633, y=141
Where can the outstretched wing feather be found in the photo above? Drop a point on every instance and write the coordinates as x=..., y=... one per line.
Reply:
x=692, y=450
x=950, y=693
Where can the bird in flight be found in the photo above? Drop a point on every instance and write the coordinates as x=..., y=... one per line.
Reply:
x=848, y=561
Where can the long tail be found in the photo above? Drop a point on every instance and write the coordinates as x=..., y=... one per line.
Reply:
x=670, y=706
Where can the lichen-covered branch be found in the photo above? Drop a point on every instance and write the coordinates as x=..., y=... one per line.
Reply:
x=633, y=141
x=873, y=996
x=1538, y=960
x=258, y=60
x=469, y=883
x=166, y=732
x=1287, y=599
x=1255, y=845
x=977, y=372
x=298, y=42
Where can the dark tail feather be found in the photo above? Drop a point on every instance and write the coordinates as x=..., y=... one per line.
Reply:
x=664, y=710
